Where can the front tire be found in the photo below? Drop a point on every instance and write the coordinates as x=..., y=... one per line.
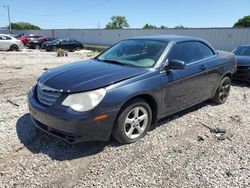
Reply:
x=222, y=91
x=133, y=122
x=14, y=48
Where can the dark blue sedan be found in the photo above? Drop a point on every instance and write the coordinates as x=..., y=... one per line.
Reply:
x=243, y=62
x=127, y=88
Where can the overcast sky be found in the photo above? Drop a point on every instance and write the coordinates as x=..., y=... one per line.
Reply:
x=92, y=14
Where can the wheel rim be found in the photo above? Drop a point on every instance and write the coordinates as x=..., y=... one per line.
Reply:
x=136, y=122
x=224, y=90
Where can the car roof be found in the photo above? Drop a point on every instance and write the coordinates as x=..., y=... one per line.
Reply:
x=169, y=38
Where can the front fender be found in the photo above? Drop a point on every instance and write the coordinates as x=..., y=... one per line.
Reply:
x=118, y=94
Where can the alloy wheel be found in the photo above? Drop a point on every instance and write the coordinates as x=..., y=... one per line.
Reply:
x=224, y=90
x=136, y=122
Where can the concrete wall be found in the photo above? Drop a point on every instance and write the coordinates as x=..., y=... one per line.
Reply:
x=220, y=38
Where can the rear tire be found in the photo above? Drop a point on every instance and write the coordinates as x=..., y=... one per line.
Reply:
x=222, y=91
x=133, y=122
x=14, y=48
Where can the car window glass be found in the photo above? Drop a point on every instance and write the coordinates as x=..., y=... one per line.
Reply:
x=65, y=41
x=190, y=52
x=205, y=50
x=138, y=52
x=247, y=52
x=242, y=51
x=186, y=51
x=5, y=38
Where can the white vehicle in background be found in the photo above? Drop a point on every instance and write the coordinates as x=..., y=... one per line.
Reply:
x=7, y=42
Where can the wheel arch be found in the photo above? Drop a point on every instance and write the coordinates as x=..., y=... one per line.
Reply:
x=14, y=45
x=227, y=74
x=152, y=102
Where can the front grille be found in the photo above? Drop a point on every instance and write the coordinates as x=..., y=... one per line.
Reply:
x=68, y=137
x=47, y=97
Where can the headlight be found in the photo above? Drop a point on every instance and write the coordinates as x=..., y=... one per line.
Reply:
x=81, y=102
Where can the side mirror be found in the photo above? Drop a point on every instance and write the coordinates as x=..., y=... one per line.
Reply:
x=176, y=64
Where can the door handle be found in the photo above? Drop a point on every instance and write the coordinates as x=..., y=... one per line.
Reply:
x=203, y=67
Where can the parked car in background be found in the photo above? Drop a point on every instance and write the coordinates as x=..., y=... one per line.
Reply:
x=14, y=35
x=243, y=62
x=26, y=38
x=36, y=43
x=51, y=38
x=8, y=42
x=129, y=87
x=66, y=44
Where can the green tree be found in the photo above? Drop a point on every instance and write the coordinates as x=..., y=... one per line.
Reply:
x=117, y=22
x=179, y=27
x=243, y=22
x=163, y=27
x=149, y=26
x=23, y=26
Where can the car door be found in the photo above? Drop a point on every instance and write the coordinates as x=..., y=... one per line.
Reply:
x=185, y=87
x=1, y=43
x=5, y=42
x=64, y=44
x=72, y=45
x=214, y=68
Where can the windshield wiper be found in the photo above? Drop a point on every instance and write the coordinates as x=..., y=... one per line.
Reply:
x=111, y=61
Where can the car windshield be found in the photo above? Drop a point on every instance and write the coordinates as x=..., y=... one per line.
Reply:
x=242, y=51
x=134, y=52
x=54, y=41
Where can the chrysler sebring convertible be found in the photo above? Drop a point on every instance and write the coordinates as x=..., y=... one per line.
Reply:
x=129, y=87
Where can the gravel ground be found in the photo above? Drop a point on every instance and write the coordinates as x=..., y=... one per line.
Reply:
x=180, y=151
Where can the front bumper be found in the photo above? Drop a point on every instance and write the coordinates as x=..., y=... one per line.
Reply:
x=242, y=73
x=45, y=47
x=68, y=125
x=20, y=46
x=32, y=45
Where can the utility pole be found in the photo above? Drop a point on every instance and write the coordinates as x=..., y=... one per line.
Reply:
x=8, y=9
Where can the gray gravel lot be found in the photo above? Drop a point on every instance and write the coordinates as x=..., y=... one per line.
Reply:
x=180, y=151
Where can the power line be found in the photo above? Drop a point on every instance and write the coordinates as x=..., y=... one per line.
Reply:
x=67, y=12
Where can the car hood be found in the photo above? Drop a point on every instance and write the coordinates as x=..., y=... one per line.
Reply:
x=21, y=38
x=243, y=60
x=88, y=75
